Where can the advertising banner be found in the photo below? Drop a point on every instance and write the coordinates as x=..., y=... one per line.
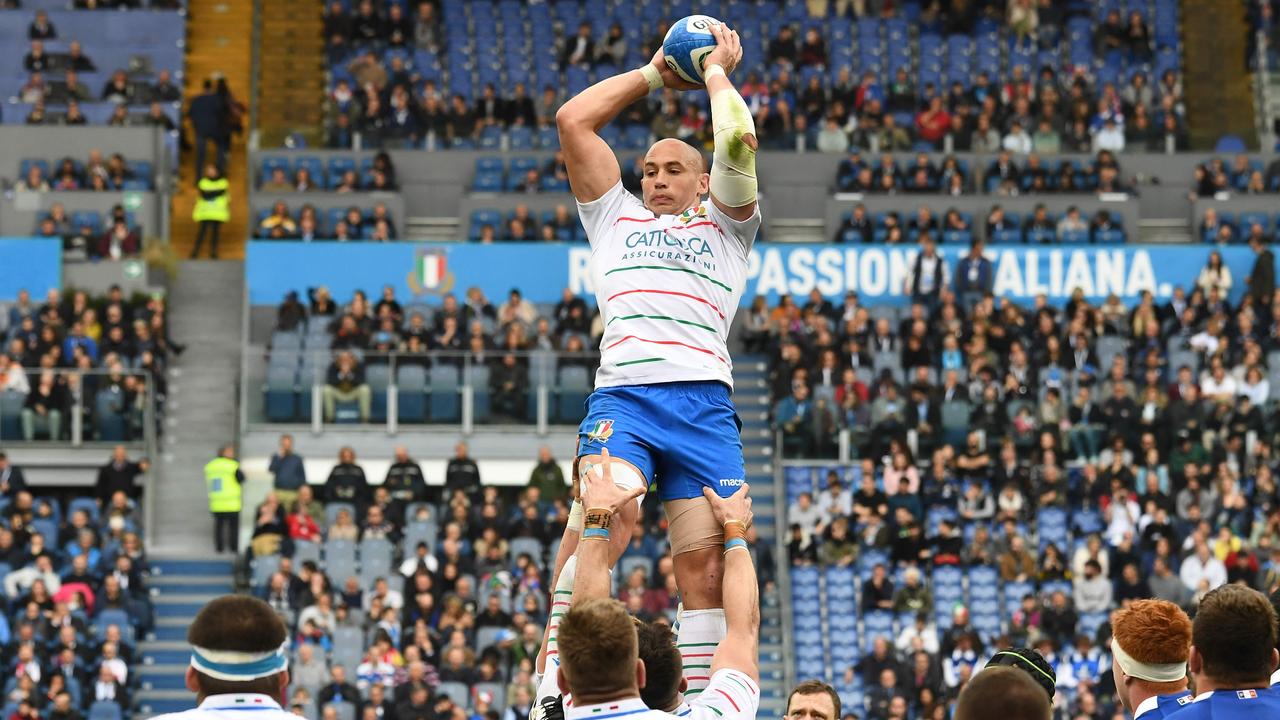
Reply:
x=29, y=263
x=423, y=272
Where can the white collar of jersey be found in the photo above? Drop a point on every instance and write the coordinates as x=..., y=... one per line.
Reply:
x=1203, y=696
x=240, y=701
x=606, y=710
x=1146, y=705
x=1275, y=678
x=682, y=709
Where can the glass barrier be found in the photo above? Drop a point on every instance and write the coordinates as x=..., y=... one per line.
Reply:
x=61, y=406
x=465, y=389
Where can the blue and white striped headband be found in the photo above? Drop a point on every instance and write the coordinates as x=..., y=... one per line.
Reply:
x=236, y=666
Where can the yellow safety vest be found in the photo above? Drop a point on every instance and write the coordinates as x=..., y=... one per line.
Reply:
x=220, y=481
x=217, y=209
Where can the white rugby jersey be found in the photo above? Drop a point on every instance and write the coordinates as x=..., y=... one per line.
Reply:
x=240, y=706
x=667, y=287
x=731, y=695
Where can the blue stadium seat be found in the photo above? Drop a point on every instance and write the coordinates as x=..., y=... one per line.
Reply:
x=445, y=403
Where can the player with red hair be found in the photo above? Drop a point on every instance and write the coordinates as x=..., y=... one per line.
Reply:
x=1150, y=642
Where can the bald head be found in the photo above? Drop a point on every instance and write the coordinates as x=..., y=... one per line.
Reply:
x=1002, y=692
x=675, y=177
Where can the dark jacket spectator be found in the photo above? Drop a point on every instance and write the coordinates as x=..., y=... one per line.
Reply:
x=346, y=481
x=119, y=476
x=462, y=473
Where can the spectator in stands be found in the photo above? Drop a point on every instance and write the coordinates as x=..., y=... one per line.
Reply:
x=1261, y=281
x=929, y=275
x=208, y=119
x=345, y=383
x=288, y=472
x=77, y=60
x=40, y=27
x=119, y=475
x=33, y=92
x=119, y=242
x=164, y=89
x=118, y=89
x=278, y=222
x=278, y=182
x=12, y=481
x=462, y=474
x=578, y=49
x=44, y=408
x=34, y=181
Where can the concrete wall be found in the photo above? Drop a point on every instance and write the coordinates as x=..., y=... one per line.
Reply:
x=979, y=206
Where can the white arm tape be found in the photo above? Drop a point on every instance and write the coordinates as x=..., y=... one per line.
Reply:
x=733, y=165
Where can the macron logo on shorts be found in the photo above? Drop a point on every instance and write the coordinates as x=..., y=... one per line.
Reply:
x=730, y=482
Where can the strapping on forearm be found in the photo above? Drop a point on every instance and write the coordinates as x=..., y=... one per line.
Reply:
x=733, y=166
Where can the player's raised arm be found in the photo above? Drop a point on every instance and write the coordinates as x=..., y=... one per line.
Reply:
x=733, y=164
x=601, y=499
x=592, y=166
x=740, y=648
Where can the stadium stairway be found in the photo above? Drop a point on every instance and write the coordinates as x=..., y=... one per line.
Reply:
x=219, y=40
x=291, y=72
x=205, y=311
x=1216, y=79
x=180, y=586
x=751, y=397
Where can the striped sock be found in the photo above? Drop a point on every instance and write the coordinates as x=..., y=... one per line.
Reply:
x=560, y=599
x=698, y=632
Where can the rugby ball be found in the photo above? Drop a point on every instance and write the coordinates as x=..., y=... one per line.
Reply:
x=687, y=45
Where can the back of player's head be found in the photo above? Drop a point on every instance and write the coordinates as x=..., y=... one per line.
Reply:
x=1275, y=605
x=1031, y=662
x=1150, y=642
x=1234, y=637
x=598, y=648
x=807, y=701
x=663, y=665
x=237, y=646
x=1002, y=692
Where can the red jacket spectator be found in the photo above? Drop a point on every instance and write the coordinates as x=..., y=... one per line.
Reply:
x=118, y=242
x=932, y=124
x=303, y=527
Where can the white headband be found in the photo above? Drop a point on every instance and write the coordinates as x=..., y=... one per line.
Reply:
x=1152, y=672
x=236, y=666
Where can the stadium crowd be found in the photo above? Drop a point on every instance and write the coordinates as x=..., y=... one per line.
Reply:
x=1086, y=456
x=73, y=596
x=102, y=357
x=447, y=604
x=802, y=93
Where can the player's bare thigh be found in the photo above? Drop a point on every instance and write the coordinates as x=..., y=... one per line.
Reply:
x=625, y=474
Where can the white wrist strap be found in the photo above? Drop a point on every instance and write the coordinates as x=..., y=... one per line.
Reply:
x=651, y=76
x=712, y=70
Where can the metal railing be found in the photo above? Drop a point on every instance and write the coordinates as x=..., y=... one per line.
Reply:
x=450, y=388
x=782, y=563
x=133, y=424
x=137, y=420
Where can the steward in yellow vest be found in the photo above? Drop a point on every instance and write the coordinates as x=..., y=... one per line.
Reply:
x=213, y=207
x=222, y=480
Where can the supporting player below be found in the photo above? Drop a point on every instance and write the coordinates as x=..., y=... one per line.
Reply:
x=1233, y=655
x=1006, y=693
x=238, y=661
x=600, y=668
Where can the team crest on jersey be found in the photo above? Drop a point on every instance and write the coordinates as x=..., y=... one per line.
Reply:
x=1186, y=699
x=693, y=213
x=1247, y=694
x=602, y=431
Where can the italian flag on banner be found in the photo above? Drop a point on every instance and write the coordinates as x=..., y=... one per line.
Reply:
x=431, y=269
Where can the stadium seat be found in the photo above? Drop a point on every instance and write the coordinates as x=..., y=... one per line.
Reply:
x=411, y=397
x=445, y=402
x=574, y=386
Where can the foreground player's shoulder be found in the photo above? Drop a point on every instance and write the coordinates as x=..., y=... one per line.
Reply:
x=1166, y=705
x=731, y=693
